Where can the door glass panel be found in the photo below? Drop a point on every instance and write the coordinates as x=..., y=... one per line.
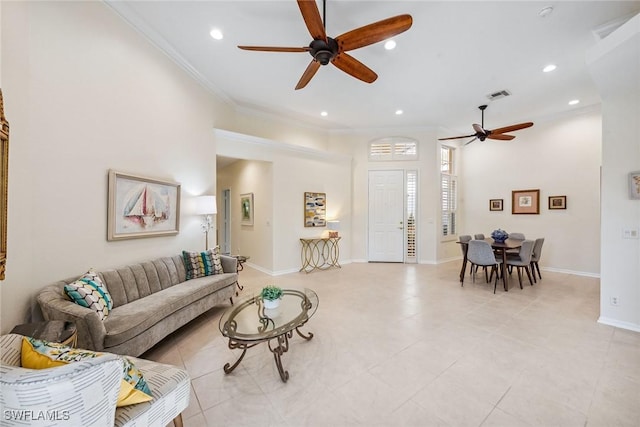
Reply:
x=412, y=191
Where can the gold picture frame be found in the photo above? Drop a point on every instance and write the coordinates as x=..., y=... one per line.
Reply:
x=142, y=207
x=525, y=202
x=315, y=209
x=4, y=186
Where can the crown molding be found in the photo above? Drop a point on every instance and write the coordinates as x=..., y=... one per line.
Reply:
x=124, y=11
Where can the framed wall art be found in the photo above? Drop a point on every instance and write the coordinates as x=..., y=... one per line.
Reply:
x=495, y=204
x=246, y=209
x=634, y=185
x=315, y=209
x=141, y=207
x=557, y=202
x=525, y=202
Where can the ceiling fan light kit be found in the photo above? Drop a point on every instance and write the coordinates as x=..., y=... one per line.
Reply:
x=325, y=50
x=498, y=134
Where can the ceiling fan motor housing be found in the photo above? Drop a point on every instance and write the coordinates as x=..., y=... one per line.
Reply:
x=322, y=51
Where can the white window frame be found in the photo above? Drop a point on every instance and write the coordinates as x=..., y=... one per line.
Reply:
x=393, y=148
x=448, y=194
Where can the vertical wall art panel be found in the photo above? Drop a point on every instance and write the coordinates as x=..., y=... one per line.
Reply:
x=246, y=209
x=315, y=209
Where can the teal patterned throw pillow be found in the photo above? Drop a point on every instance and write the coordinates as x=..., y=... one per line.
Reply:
x=201, y=264
x=89, y=291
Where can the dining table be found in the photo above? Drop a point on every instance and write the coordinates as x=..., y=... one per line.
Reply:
x=500, y=249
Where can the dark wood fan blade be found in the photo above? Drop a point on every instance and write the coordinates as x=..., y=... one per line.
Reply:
x=311, y=70
x=312, y=19
x=500, y=136
x=373, y=33
x=469, y=142
x=479, y=129
x=512, y=128
x=355, y=68
x=276, y=49
x=457, y=137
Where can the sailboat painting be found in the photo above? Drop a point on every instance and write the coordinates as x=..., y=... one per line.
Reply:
x=141, y=207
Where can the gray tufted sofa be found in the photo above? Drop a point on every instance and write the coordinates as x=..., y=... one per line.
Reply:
x=150, y=300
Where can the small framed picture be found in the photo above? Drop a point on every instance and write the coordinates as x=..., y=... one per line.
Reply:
x=634, y=185
x=525, y=202
x=246, y=209
x=557, y=202
x=495, y=204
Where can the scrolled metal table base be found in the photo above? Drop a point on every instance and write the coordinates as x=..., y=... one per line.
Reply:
x=278, y=350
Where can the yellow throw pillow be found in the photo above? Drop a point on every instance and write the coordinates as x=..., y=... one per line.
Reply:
x=39, y=354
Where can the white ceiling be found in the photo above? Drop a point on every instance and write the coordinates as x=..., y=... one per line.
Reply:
x=454, y=55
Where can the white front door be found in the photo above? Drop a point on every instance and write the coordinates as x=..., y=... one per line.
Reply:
x=386, y=216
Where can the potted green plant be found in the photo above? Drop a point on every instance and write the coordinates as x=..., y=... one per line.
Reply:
x=271, y=296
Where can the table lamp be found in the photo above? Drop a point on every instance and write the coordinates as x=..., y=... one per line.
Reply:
x=333, y=227
x=206, y=206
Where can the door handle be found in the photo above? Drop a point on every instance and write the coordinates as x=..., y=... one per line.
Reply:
x=401, y=226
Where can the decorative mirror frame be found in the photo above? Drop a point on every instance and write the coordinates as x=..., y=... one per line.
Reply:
x=4, y=185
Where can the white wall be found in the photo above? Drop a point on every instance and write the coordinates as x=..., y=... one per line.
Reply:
x=256, y=241
x=615, y=66
x=356, y=144
x=557, y=156
x=84, y=93
x=278, y=129
x=296, y=170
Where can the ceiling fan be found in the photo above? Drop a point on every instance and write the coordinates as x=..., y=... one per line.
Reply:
x=325, y=49
x=482, y=133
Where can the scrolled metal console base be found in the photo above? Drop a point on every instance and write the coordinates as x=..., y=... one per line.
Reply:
x=319, y=253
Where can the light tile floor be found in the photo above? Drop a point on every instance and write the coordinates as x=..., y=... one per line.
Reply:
x=406, y=345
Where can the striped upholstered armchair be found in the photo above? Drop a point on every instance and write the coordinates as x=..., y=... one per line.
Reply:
x=84, y=393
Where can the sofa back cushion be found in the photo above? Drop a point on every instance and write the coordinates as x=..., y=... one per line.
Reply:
x=132, y=282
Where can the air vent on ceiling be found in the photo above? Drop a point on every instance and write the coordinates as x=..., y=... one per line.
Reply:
x=498, y=95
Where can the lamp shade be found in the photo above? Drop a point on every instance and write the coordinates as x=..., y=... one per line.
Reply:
x=206, y=205
x=333, y=225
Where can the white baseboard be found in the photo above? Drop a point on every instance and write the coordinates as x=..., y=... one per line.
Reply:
x=287, y=271
x=619, y=324
x=426, y=262
x=577, y=273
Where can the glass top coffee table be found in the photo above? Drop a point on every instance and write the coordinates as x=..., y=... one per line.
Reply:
x=248, y=324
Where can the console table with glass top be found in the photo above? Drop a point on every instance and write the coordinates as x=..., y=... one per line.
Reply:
x=319, y=253
x=248, y=324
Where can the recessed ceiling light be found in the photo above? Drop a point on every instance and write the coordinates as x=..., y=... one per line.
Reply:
x=216, y=34
x=549, y=68
x=324, y=114
x=574, y=102
x=545, y=11
x=399, y=112
x=390, y=44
